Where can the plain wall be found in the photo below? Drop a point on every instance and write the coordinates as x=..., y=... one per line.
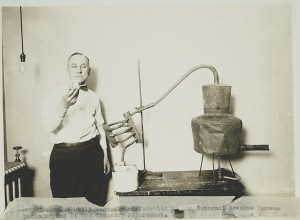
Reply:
x=249, y=44
x=2, y=143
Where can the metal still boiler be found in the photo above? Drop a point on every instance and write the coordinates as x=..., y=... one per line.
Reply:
x=216, y=133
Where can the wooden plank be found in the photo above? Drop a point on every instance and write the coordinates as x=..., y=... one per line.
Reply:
x=186, y=183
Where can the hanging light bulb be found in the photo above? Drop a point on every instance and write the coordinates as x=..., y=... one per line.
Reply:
x=22, y=64
x=22, y=56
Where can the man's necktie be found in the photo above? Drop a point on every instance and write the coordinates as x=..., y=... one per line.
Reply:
x=84, y=87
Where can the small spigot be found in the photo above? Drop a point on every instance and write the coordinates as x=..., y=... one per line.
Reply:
x=17, y=148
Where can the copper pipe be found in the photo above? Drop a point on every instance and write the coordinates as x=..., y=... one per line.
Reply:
x=216, y=81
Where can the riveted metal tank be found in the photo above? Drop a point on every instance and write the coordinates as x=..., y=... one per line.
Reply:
x=216, y=132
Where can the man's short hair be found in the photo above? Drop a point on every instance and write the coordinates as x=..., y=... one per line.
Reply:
x=77, y=53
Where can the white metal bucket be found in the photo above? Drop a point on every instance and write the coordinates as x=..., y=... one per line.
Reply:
x=125, y=177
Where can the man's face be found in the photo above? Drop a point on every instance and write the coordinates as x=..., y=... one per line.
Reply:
x=78, y=68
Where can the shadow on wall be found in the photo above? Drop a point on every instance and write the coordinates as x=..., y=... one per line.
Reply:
x=92, y=80
x=92, y=85
x=105, y=185
x=28, y=177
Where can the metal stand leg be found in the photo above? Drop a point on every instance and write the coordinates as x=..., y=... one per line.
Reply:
x=230, y=164
x=219, y=169
x=213, y=160
x=201, y=165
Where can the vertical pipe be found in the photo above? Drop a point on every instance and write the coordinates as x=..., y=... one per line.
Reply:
x=142, y=118
x=296, y=91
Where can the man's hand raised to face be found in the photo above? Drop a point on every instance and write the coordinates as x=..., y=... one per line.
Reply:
x=70, y=97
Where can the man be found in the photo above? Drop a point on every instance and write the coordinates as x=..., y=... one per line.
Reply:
x=72, y=115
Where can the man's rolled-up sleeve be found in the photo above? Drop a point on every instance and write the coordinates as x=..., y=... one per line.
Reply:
x=50, y=119
x=99, y=124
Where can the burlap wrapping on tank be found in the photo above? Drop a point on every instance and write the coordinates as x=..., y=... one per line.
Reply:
x=216, y=134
